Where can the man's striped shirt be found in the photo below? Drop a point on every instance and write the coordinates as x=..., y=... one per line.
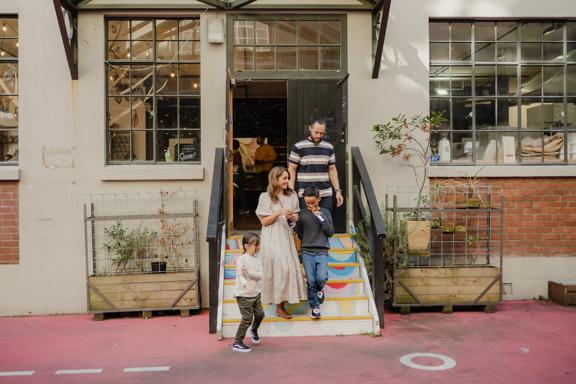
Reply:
x=313, y=161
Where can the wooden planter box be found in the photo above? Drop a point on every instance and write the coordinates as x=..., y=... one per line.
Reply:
x=435, y=286
x=143, y=292
x=562, y=292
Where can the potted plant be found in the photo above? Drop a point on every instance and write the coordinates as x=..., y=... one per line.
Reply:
x=121, y=245
x=409, y=139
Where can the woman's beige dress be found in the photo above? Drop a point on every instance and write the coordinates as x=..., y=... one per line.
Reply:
x=283, y=280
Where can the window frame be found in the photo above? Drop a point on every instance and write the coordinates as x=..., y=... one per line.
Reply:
x=15, y=130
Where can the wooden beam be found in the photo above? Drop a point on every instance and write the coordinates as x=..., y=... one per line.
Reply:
x=213, y=3
x=381, y=37
x=240, y=3
x=68, y=48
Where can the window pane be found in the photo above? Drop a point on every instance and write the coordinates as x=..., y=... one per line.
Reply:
x=461, y=32
x=507, y=113
x=439, y=80
x=188, y=148
x=189, y=50
x=286, y=32
x=461, y=81
x=571, y=114
x=531, y=52
x=142, y=30
x=484, y=31
x=330, y=58
x=243, y=58
x=329, y=32
x=308, y=32
x=166, y=29
x=461, y=52
x=485, y=52
x=439, y=31
x=309, y=58
x=243, y=32
x=167, y=50
x=531, y=80
x=531, y=31
x=265, y=58
x=9, y=145
x=119, y=116
x=8, y=111
x=462, y=147
x=165, y=148
x=485, y=114
x=167, y=79
x=507, y=52
x=142, y=113
x=189, y=112
x=571, y=52
x=118, y=30
x=532, y=147
x=441, y=106
x=487, y=147
x=119, y=149
x=553, y=81
x=571, y=80
x=286, y=58
x=507, y=148
x=553, y=116
x=553, y=31
x=8, y=78
x=142, y=79
x=507, y=80
x=119, y=50
x=142, y=145
x=571, y=31
x=167, y=112
x=189, y=78
x=265, y=32
x=142, y=50
x=189, y=30
x=507, y=31
x=553, y=52
x=439, y=52
x=8, y=48
x=462, y=114
x=485, y=79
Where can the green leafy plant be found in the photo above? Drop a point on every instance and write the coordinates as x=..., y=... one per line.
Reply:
x=130, y=248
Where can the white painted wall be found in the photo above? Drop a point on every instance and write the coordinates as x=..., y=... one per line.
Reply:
x=63, y=121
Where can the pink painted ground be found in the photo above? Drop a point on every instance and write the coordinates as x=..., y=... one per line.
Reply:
x=524, y=342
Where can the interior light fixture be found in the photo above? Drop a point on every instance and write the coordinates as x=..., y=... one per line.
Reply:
x=4, y=29
x=172, y=74
x=195, y=85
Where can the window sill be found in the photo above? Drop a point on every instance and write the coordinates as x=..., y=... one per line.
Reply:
x=502, y=171
x=151, y=172
x=9, y=172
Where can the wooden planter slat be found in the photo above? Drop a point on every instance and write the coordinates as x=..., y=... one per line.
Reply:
x=441, y=286
x=143, y=292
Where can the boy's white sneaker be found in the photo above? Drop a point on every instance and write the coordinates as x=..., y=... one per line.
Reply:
x=255, y=336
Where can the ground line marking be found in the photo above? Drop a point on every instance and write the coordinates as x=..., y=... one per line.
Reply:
x=77, y=371
x=447, y=361
x=17, y=373
x=146, y=369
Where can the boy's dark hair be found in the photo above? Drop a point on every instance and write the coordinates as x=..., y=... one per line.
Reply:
x=311, y=191
x=250, y=238
x=316, y=120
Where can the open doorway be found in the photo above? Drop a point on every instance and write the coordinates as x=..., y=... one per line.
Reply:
x=260, y=111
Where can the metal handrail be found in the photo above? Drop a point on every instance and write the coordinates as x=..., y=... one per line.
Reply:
x=214, y=233
x=372, y=218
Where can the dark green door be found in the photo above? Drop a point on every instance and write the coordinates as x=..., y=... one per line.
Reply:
x=327, y=99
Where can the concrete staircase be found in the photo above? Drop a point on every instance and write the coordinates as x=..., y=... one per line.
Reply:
x=349, y=307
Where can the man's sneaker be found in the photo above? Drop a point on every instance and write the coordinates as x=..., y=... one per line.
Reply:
x=321, y=296
x=240, y=347
x=255, y=337
x=315, y=313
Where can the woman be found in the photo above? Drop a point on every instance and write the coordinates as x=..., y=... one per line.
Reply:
x=277, y=208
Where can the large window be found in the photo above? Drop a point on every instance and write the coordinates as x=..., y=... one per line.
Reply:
x=288, y=44
x=507, y=89
x=8, y=90
x=153, y=92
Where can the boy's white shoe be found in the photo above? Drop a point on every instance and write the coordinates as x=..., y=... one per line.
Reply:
x=255, y=336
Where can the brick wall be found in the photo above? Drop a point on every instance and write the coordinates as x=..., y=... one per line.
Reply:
x=539, y=215
x=9, y=234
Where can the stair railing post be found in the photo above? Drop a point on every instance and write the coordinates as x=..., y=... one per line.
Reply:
x=379, y=275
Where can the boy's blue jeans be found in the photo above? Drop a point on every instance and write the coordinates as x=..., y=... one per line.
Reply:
x=316, y=267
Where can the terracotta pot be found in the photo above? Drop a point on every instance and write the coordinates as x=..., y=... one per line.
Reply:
x=418, y=235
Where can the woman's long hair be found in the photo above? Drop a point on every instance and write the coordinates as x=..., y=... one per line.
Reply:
x=274, y=187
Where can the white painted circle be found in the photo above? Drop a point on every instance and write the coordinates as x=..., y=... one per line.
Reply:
x=447, y=361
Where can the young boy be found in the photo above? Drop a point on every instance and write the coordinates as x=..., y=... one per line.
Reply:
x=247, y=293
x=314, y=227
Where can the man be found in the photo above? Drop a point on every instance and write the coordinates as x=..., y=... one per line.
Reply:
x=312, y=162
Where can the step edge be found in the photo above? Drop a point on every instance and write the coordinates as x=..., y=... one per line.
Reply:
x=342, y=281
x=333, y=298
x=304, y=318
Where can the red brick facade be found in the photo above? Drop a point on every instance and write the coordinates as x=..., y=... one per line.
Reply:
x=539, y=215
x=9, y=233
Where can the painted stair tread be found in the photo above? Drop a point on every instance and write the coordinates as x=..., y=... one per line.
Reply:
x=336, y=287
x=347, y=298
x=298, y=318
x=329, y=282
x=335, y=271
x=338, y=241
x=330, y=307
